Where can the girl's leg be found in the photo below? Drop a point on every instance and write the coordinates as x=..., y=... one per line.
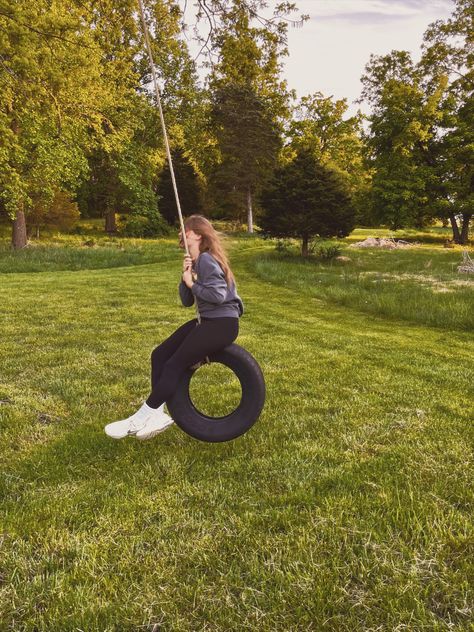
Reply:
x=165, y=350
x=210, y=336
x=137, y=422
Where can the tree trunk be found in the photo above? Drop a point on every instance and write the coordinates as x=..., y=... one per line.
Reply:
x=19, y=239
x=466, y=218
x=249, y=212
x=110, y=223
x=455, y=227
x=304, y=246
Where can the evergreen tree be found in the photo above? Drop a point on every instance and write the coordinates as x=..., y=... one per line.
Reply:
x=248, y=141
x=306, y=199
x=249, y=102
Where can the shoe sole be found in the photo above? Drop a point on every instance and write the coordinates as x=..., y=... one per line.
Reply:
x=129, y=434
x=153, y=433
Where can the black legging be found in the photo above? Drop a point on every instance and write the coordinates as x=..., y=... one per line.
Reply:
x=189, y=344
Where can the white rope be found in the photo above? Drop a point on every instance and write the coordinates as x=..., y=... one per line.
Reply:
x=165, y=135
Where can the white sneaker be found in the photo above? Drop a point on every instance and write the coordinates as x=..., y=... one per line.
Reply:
x=131, y=425
x=154, y=425
x=123, y=428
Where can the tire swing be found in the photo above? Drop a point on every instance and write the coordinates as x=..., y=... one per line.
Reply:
x=244, y=366
x=216, y=429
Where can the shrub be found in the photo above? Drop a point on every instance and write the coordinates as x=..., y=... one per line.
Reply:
x=283, y=245
x=152, y=225
x=328, y=252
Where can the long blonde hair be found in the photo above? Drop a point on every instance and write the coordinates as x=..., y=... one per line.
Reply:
x=211, y=241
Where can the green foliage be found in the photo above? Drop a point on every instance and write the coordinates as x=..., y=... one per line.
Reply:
x=402, y=127
x=248, y=140
x=421, y=137
x=250, y=49
x=304, y=199
x=448, y=57
x=150, y=225
x=189, y=190
x=77, y=115
x=61, y=213
x=74, y=112
x=249, y=102
x=327, y=252
x=319, y=124
x=282, y=246
x=49, y=89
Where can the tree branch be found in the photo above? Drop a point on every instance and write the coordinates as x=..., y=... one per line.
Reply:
x=43, y=33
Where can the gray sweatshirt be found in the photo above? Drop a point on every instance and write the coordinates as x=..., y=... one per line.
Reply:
x=214, y=298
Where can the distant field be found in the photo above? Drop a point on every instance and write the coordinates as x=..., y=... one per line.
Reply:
x=419, y=284
x=348, y=506
x=433, y=234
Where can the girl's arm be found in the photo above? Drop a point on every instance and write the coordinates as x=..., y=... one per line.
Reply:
x=211, y=286
x=187, y=297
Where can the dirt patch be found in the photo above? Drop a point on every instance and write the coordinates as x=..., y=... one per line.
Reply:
x=387, y=243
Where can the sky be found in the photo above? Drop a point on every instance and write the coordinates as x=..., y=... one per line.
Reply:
x=331, y=50
x=329, y=53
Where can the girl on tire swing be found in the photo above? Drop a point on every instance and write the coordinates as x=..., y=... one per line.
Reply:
x=220, y=308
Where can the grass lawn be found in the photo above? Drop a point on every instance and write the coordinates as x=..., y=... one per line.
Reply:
x=348, y=506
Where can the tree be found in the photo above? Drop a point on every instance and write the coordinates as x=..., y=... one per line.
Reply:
x=448, y=56
x=49, y=91
x=320, y=124
x=421, y=134
x=248, y=140
x=306, y=199
x=73, y=98
x=123, y=175
x=402, y=126
x=188, y=188
x=249, y=101
x=61, y=213
x=130, y=155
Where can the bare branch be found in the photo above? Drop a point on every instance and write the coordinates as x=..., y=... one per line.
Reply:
x=215, y=13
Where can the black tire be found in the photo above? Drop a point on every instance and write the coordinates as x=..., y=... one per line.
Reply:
x=217, y=429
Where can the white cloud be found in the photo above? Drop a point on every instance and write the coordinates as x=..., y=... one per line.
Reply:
x=331, y=50
x=358, y=10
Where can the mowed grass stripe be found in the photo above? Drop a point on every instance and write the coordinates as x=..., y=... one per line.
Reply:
x=348, y=506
